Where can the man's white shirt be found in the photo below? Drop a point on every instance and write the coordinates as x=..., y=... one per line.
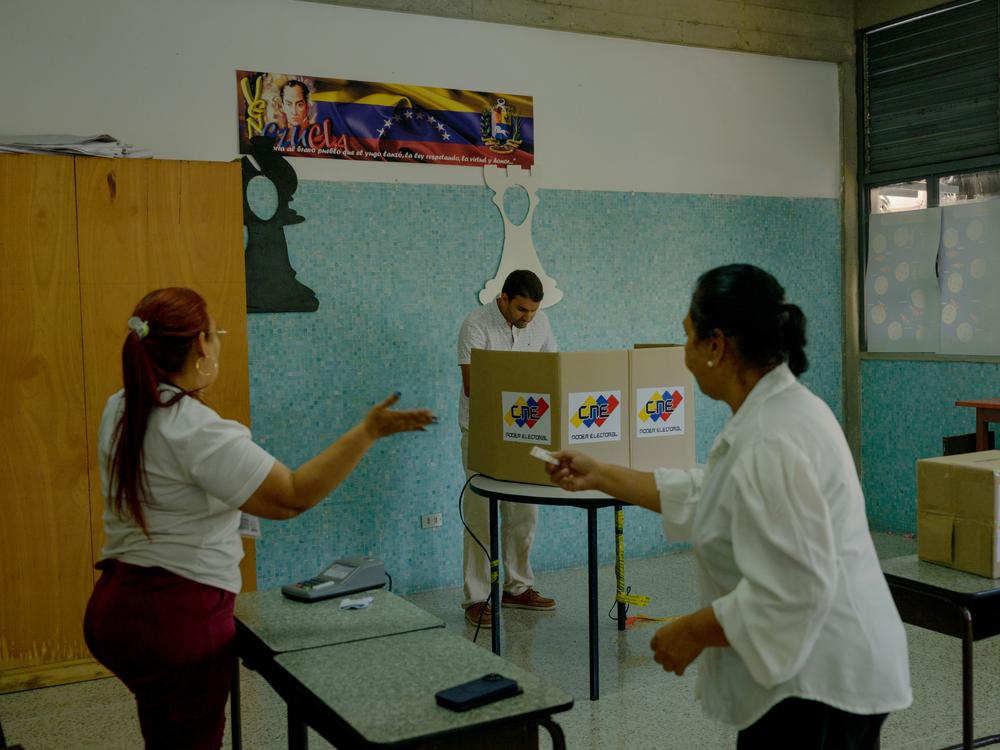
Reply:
x=486, y=328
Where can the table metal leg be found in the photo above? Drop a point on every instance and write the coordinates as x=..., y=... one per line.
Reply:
x=619, y=563
x=298, y=730
x=495, y=574
x=555, y=732
x=595, y=690
x=967, y=705
x=235, y=723
x=968, y=742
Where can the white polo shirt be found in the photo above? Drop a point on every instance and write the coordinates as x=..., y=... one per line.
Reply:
x=486, y=328
x=201, y=468
x=786, y=561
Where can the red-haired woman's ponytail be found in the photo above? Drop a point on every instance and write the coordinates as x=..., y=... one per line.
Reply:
x=164, y=325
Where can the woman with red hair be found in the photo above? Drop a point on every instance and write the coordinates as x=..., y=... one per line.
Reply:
x=175, y=477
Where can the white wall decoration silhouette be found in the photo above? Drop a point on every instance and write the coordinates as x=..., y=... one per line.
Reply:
x=518, y=248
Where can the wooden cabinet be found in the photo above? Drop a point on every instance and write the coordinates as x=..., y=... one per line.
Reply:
x=81, y=241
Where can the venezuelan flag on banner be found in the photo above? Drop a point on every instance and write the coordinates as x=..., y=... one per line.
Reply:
x=334, y=118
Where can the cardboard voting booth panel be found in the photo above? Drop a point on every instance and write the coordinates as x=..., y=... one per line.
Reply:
x=958, y=509
x=662, y=418
x=558, y=400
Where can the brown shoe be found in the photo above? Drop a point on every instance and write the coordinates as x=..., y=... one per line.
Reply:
x=530, y=599
x=473, y=612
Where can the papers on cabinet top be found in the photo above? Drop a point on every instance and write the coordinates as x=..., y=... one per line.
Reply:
x=85, y=145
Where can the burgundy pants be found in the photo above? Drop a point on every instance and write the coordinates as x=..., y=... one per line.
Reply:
x=172, y=642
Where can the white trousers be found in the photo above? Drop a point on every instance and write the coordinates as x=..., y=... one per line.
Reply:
x=517, y=532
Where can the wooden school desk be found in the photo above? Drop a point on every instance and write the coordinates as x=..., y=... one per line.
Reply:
x=987, y=410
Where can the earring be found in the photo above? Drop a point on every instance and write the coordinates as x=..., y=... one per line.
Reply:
x=710, y=363
x=215, y=367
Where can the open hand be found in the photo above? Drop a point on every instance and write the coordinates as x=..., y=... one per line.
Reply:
x=382, y=421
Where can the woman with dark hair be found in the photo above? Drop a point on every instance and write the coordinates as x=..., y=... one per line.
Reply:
x=803, y=646
x=175, y=477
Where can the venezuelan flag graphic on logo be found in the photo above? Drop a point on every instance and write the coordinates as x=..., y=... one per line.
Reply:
x=659, y=407
x=594, y=411
x=526, y=412
x=344, y=119
x=594, y=417
x=526, y=417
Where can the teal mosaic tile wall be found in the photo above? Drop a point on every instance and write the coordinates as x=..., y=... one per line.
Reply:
x=906, y=408
x=396, y=269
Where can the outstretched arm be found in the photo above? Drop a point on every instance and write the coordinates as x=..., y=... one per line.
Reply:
x=577, y=471
x=285, y=493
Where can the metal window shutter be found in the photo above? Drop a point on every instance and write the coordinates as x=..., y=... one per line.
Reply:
x=932, y=89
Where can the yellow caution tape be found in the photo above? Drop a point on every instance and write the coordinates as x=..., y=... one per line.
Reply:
x=636, y=599
x=621, y=596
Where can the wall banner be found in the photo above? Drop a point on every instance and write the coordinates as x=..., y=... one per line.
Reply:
x=333, y=118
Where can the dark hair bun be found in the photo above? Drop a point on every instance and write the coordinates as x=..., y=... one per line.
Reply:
x=748, y=304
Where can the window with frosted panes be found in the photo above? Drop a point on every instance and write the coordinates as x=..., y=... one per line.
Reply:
x=930, y=181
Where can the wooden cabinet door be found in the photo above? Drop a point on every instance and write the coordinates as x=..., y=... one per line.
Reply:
x=147, y=224
x=46, y=560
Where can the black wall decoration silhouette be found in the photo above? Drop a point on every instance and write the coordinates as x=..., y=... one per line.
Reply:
x=271, y=282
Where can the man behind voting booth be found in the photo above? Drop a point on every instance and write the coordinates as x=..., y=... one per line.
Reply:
x=513, y=323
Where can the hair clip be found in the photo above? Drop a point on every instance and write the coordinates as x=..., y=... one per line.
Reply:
x=139, y=327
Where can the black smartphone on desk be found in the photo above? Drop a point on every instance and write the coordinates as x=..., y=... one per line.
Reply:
x=488, y=688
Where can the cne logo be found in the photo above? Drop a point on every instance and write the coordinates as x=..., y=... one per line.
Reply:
x=660, y=406
x=526, y=412
x=594, y=411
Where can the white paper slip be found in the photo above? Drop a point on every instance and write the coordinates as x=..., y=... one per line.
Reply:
x=359, y=603
x=544, y=455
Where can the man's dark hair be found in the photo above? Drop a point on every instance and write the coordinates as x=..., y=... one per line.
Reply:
x=298, y=84
x=523, y=283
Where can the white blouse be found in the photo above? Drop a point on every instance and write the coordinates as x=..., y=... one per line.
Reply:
x=200, y=469
x=786, y=561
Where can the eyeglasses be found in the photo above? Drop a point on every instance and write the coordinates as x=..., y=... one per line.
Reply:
x=220, y=332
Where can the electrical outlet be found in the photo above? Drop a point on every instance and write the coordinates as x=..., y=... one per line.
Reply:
x=430, y=521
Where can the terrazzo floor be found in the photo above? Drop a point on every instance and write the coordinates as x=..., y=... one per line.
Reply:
x=640, y=705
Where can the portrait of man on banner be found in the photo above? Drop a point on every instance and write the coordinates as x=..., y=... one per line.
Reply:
x=292, y=108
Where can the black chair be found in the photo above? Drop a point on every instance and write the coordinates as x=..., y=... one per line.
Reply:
x=954, y=444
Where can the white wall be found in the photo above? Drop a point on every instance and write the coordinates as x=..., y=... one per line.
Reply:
x=610, y=114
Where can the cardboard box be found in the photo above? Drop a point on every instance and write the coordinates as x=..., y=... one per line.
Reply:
x=958, y=510
x=554, y=400
x=662, y=390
